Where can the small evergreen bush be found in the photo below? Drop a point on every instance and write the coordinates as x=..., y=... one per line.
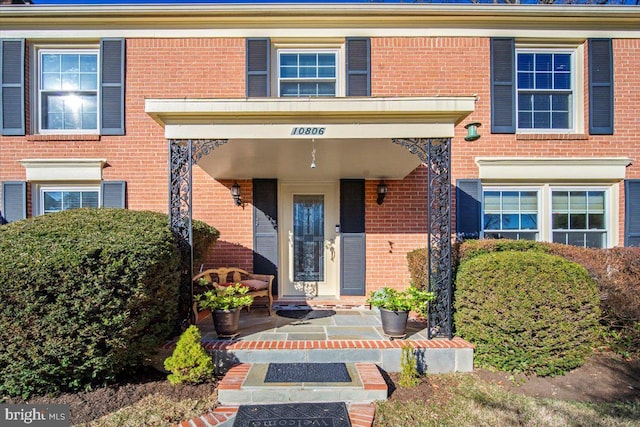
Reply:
x=409, y=375
x=189, y=362
x=86, y=295
x=527, y=311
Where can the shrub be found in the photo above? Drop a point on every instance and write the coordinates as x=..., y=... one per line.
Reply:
x=189, y=362
x=527, y=311
x=409, y=375
x=204, y=238
x=417, y=261
x=86, y=295
x=617, y=275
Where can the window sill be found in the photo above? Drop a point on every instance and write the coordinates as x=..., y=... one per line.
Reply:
x=64, y=137
x=551, y=137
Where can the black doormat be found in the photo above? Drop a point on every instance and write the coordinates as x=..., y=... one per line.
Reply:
x=307, y=373
x=325, y=414
x=305, y=314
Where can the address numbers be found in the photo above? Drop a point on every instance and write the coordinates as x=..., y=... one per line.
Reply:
x=308, y=130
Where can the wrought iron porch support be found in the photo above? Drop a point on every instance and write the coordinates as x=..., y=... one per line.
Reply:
x=435, y=154
x=183, y=154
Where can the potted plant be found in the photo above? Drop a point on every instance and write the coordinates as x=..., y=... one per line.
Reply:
x=395, y=305
x=225, y=305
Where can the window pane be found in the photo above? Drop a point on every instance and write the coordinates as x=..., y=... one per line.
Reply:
x=525, y=102
x=89, y=199
x=326, y=72
x=560, y=102
x=562, y=62
x=578, y=201
x=88, y=64
x=491, y=200
x=525, y=80
x=492, y=222
x=577, y=221
x=326, y=89
x=52, y=201
x=288, y=72
x=327, y=60
x=70, y=200
x=525, y=62
x=595, y=240
x=50, y=63
x=53, y=121
x=308, y=72
x=510, y=221
x=89, y=121
x=543, y=81
x=560, y=201
x=596, y=221
x=308, y=60
x=525, y=120
x=541, y=102
x=510, y=201
x=560, y=120
x=288, y=89
x=529, y=221
x=72, y=120
x=560, y=221
x=560, y=238
x=596, y=201
x=88, y=81
x=529, y=200
x=51, y=81
x=289, y=59
x=576, y=239
x=70, y=63
x=542, y=120
x=89, y=104
x=307, y=89
x=562, y=81
x=544, y=62
x=70, y=81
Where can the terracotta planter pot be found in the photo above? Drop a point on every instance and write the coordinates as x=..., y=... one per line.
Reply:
x=394, y=323
x=226, y=322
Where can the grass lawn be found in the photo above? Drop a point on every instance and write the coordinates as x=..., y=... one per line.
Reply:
x=465, y=400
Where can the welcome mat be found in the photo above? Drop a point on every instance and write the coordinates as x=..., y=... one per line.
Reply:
x=305, y=314
x=325, y=414
x=307, y=373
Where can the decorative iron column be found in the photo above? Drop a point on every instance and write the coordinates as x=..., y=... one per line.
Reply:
x=435, y=154
x=183, y=154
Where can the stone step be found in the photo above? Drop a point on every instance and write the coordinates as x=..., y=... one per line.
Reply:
x=245, y=384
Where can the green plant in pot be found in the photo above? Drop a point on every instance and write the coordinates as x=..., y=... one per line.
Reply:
x=225, y=304
x=395, y=306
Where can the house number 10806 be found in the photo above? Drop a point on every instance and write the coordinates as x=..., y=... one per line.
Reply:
x=307, y=130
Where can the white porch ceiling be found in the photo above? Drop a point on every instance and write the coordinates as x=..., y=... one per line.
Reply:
x=352, y=135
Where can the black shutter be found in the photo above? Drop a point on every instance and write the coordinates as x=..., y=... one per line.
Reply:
x=258, y=65
x=358, y=67
x=353, y=238
x=503, y=89
x=600, y=87
x=12, y=87
x=113, y=194
x=112, y=57
x=468, y=208
x=632, y=212
x=265, y=228
x=14, y=201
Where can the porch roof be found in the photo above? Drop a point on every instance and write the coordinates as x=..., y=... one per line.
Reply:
x=272, y=138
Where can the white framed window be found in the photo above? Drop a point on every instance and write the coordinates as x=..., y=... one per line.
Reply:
x=546, y=89
x=308, y=72
x=55, y=198
x=511, y=213
x=67, y=97
x=579, y=216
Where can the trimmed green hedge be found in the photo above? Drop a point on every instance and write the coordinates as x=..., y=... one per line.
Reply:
x=527, y=311
x=86, y=295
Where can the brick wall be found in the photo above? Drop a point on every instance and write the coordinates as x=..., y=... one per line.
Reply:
x=402, y=66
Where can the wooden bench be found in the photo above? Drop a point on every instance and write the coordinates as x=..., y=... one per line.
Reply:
x=259, y=284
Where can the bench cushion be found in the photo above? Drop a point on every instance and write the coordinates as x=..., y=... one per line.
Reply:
x=252, y=284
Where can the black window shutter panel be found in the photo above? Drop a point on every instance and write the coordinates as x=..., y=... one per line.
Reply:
x=12, y=87
x=503, y=89
x=265, y=228
x=600, y=87
x=468, y=208
x=14, y=201
x=258, y=68
x=632, y=212
x=112, y=57
x=358, y=66
x=353, y=238
x=113, y=194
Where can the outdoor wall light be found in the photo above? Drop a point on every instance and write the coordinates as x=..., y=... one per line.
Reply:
x=472, y=131
x=382, y=191
x=236, y=194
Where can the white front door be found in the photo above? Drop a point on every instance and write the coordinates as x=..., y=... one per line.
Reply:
x=309, y=253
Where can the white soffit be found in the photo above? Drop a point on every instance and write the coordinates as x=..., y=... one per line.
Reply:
x=353, y=118
x=63, y=169
x=552, y=169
